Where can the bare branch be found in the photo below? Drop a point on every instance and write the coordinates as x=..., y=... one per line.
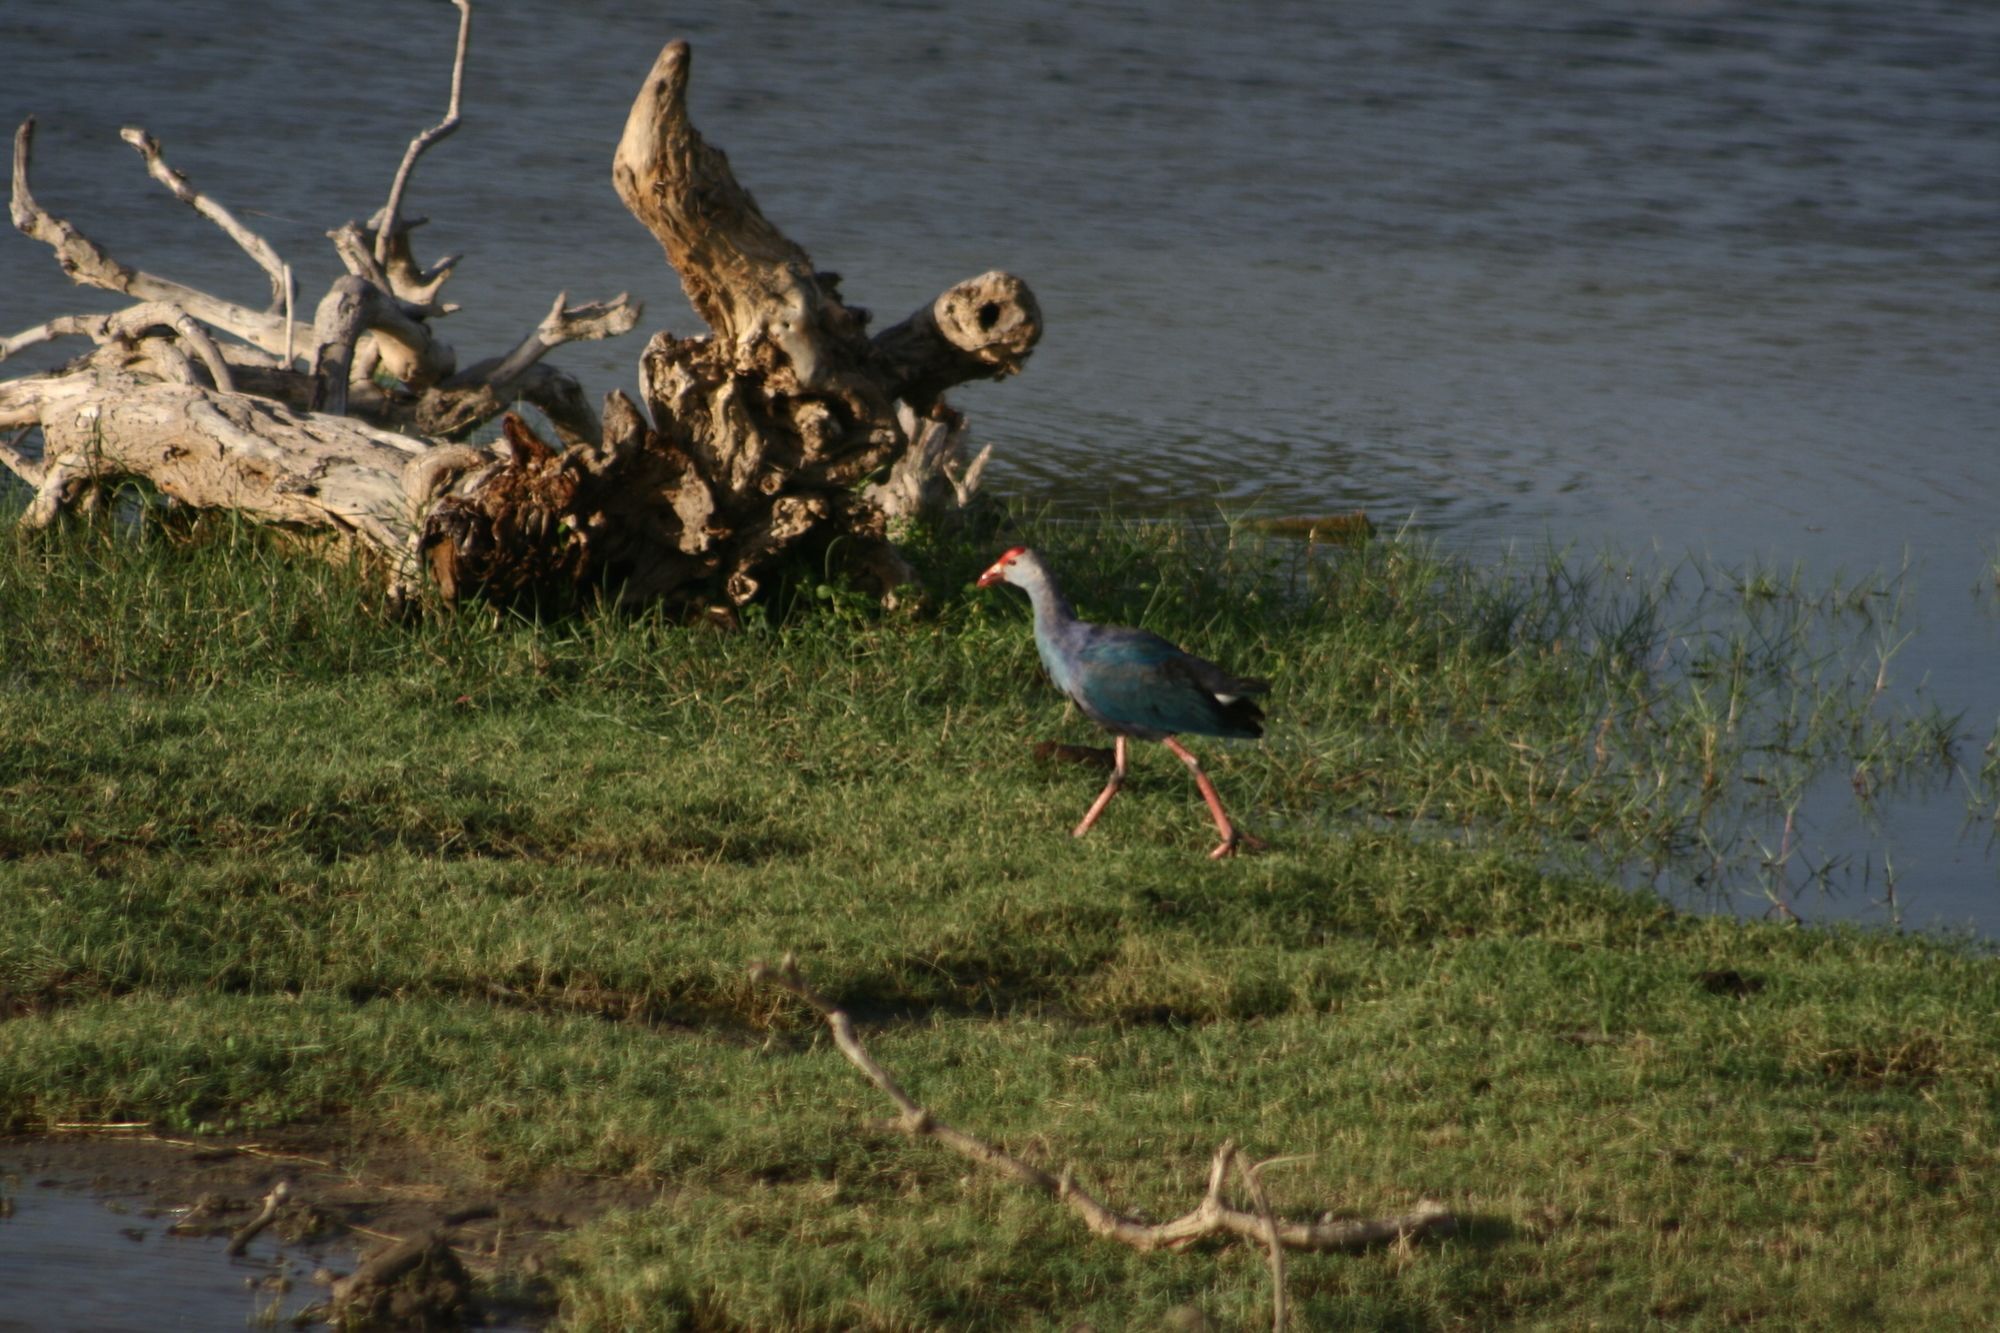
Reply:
x=1255, y=1184
x=413, y=283
x=249, y=1230
x=386, y=224
x=1211, y=1217
x=736, y=266
x=90, y=264
x=408, y=281
x=128, y=326
x=63, y=326
x=342, y=315
x=252, y=244
x=563, y=324
x=486, y=388
x=79, y=257
x=430, y=472
x=26, y=468
x=166, y=361
x=55, y=491
x=933, y=475
x=408, y=350
x=352, y=245
x=204, y=346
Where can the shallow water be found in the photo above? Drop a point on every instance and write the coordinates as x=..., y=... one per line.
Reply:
x=1668, y=278
x=72, y=1262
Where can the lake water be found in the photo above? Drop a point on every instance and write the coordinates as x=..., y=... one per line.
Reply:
x=1649, y=278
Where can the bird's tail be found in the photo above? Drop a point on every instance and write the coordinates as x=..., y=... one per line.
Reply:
x=1242, y=715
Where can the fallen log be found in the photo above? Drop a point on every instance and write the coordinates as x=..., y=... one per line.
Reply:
x=785, y=433
x=415, y=1283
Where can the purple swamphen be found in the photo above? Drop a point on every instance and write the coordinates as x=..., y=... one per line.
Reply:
x=1133, y=683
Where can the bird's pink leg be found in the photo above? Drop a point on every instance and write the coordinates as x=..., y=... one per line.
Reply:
x=1231, y=838
x=1110, y=789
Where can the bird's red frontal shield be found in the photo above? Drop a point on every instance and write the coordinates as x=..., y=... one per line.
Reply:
x=998, y=569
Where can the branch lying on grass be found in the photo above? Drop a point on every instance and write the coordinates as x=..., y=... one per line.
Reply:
x=1211, y=1217
x=1255, y=1184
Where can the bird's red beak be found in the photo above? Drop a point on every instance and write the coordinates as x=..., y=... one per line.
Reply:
x=997, y=571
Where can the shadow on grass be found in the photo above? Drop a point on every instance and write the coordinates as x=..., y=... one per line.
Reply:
x=1484, y=1231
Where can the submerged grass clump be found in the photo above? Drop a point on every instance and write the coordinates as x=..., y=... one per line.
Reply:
x=269, y=855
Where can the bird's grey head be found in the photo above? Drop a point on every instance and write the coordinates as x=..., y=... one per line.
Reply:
x=1019, y=566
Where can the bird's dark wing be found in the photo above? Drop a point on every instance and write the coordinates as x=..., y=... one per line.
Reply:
x=1135, y=681
x=1217, y=681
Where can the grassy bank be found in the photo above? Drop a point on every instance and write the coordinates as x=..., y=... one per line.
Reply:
x=267, y=857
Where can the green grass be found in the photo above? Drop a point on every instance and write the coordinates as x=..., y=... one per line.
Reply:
x=268, y=856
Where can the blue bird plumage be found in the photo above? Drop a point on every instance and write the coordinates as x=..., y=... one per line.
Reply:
x=1133, y=683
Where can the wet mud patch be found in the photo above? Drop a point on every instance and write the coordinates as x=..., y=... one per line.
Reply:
x=139, y=1229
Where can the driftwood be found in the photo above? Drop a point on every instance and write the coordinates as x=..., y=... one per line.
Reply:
x=413, y=1283
x=784, y=432
x=1212, y=1217
x=249, y=1231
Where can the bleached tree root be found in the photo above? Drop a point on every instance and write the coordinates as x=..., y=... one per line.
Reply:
x=1212, y=1217
x=788, y=429
x=784, y=437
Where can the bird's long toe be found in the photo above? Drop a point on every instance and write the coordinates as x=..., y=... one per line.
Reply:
x=1238, y=842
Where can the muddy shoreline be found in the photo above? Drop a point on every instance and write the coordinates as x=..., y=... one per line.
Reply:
x=347, y=1191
